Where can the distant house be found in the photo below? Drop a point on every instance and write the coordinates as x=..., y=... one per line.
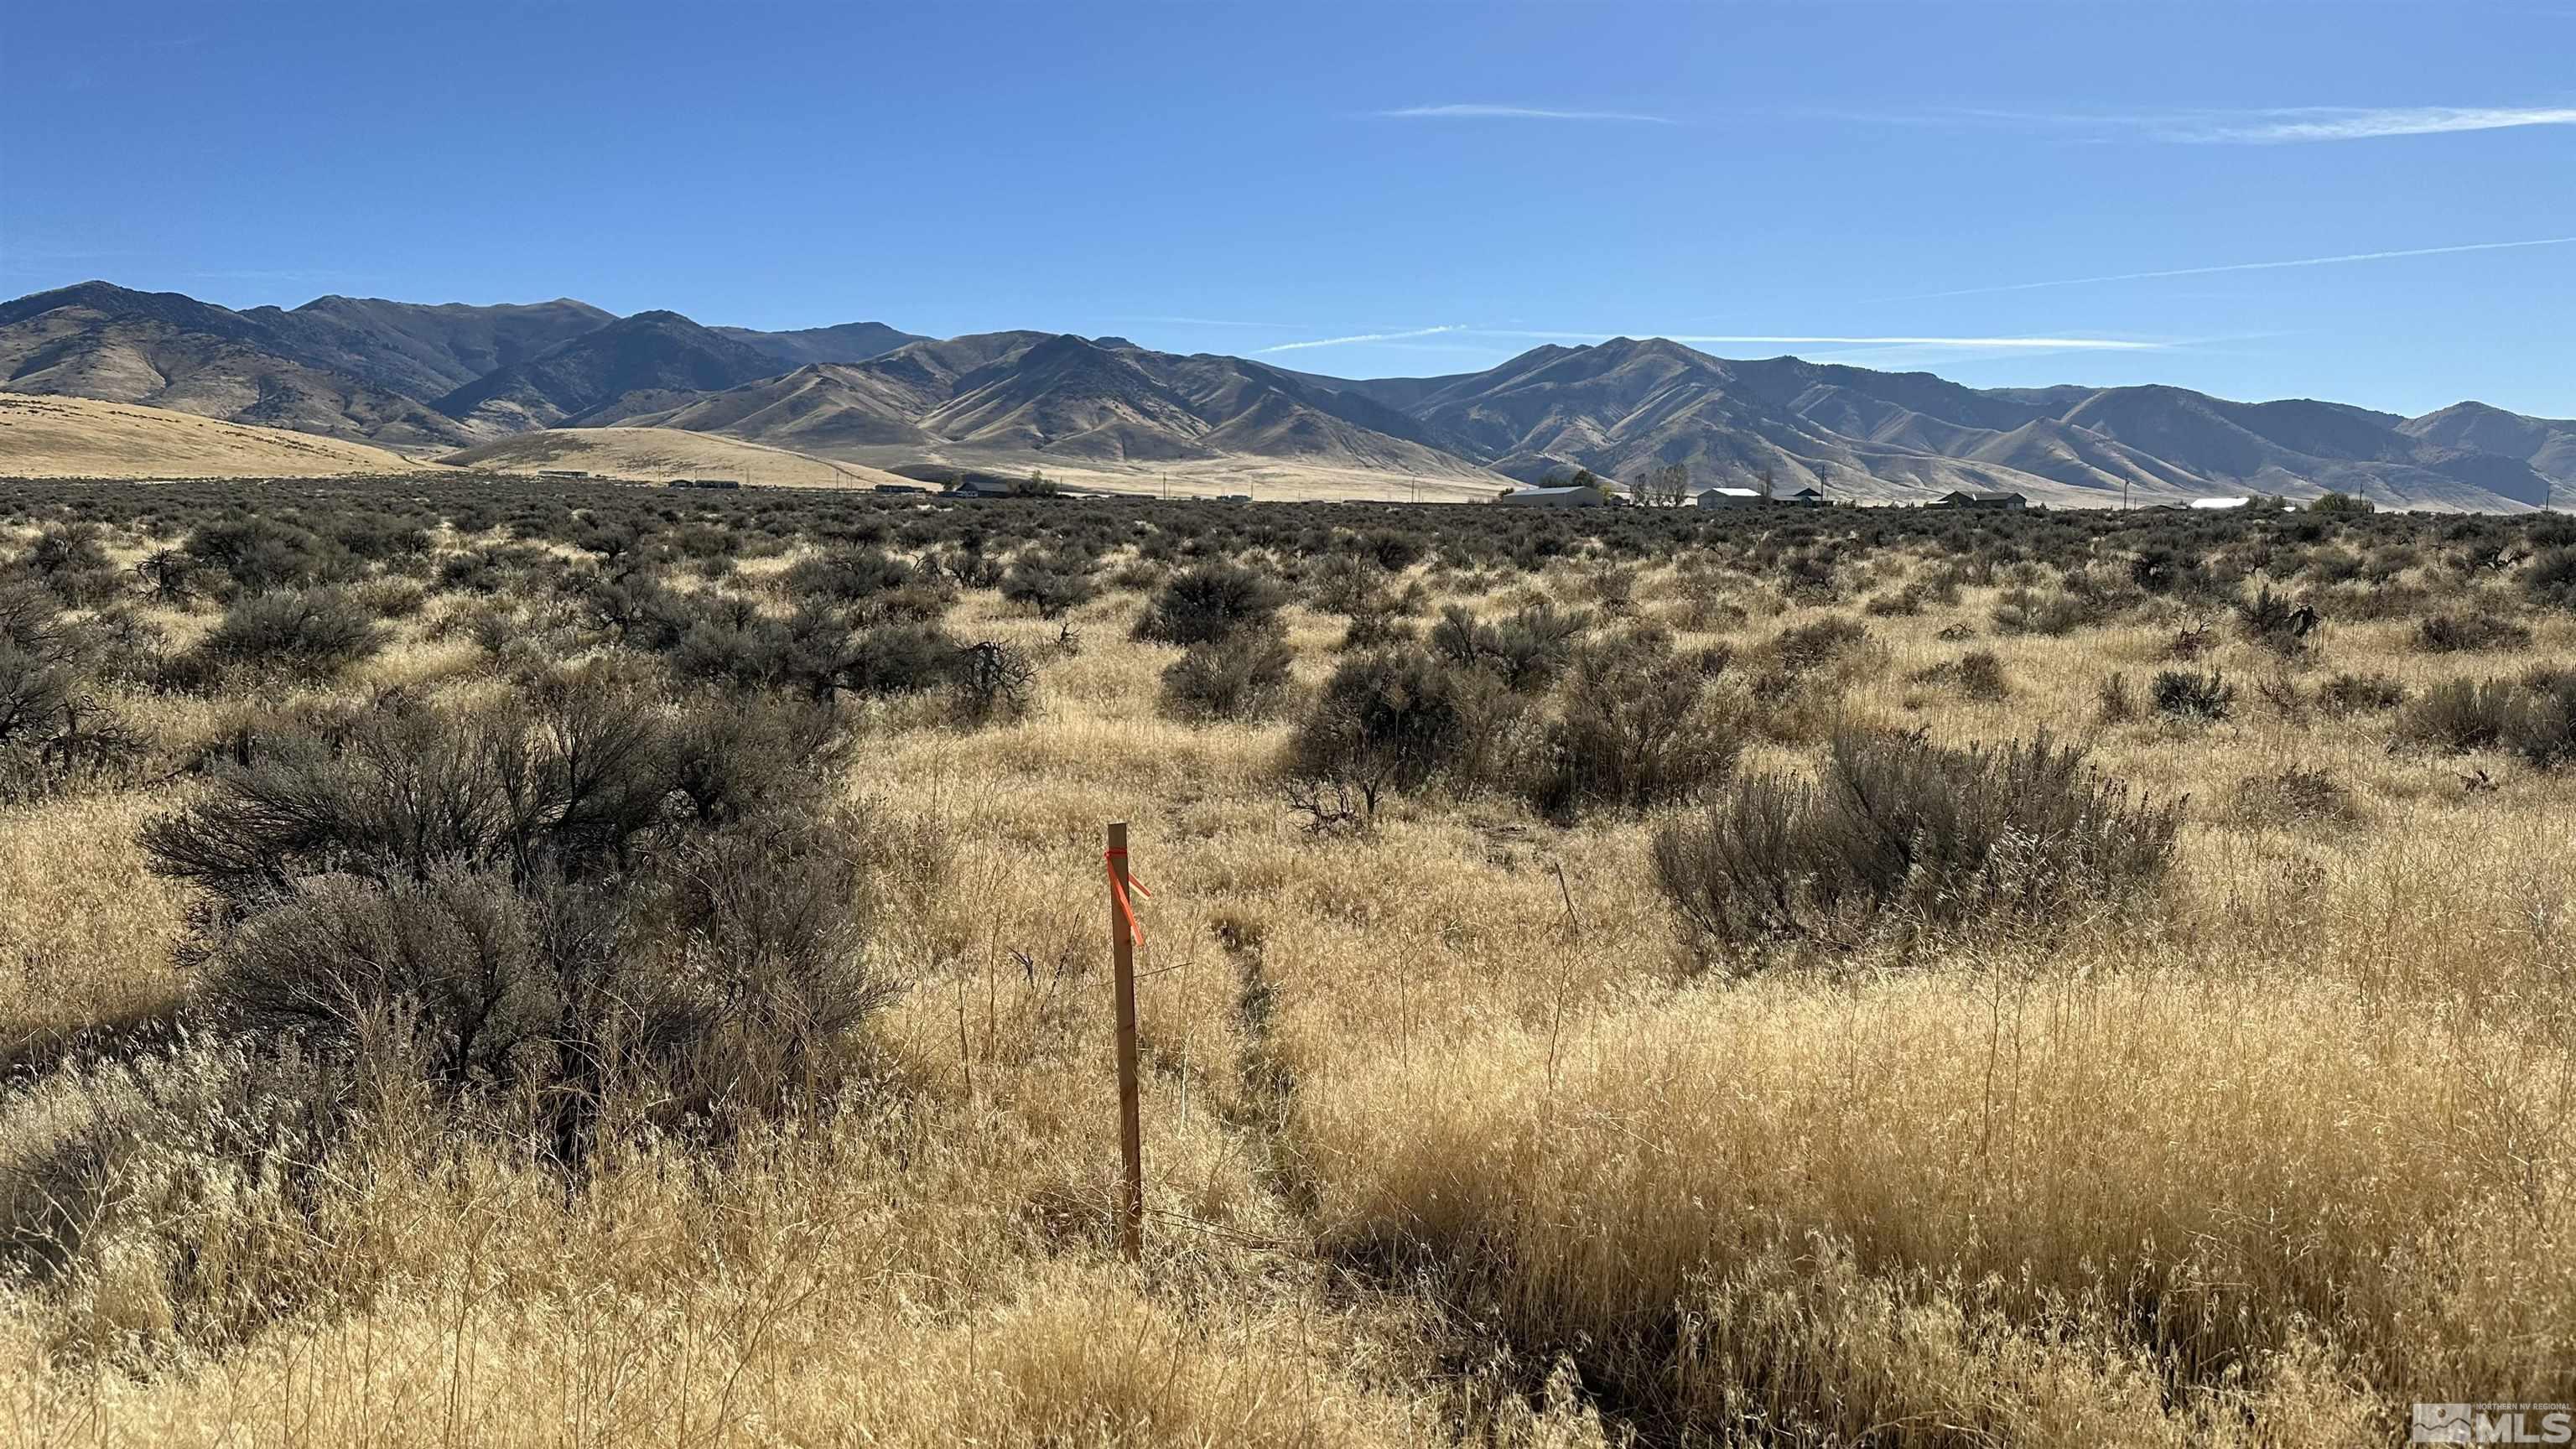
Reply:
x=1755, y=497
x=989, y=486
x=1982, y=498
x=2215, y=505
x=1588, y=495
x=719, y=483
x=563, y=473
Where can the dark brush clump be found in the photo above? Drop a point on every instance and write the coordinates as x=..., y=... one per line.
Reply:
x=1902, y=834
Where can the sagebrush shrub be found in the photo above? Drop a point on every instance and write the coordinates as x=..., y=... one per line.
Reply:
x=579, y=891
x=1242, y=677
x=2298, y=795
x=2460, y=714
x=894, y=659
x=2349, y=693
x=1049, y=584
x=2273, y=621
x=1637, y=725
x=2551, y=578
x=1205, y=604
x=2051, y=614
x=258, y=554
x=2157, y=569
x=171, y=576
x=1378, y=623
x=1395, y=721
x=1805, y=647
x=304, y=634
x=2470, y=633
x=2540, y=722
x=1980, y=676
x=1902, y=831
x=846, y=576
x=991, y=682
x=1524, y=651
x=2197, y=698
x=73, y=563
x=1346, y=583
x=34, y=692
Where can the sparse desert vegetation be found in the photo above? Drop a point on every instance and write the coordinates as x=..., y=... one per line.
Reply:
x=498, y=965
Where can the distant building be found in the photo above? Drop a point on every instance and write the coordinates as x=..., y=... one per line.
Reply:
x=902, y=488
x=563, y=473
x=976, y=487
x=1982, y=498
x=2220, y=504
x=1755, y=497
x=1590, y=495
x=719, y=483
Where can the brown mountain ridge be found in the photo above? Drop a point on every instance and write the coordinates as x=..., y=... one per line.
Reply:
x=427, y=379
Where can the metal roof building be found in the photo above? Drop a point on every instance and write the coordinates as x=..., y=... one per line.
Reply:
x=1570, y=496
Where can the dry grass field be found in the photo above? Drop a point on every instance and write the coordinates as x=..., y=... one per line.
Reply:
x=657, y=455
x=489, y=966
x=1243, y=475
x=85, y=438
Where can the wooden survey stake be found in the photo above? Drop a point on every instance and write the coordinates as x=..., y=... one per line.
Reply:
x=1122, y=955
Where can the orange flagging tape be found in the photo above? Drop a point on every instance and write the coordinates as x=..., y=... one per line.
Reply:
x=1111, y=860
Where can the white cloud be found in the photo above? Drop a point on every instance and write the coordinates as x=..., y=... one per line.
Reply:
x=1519, y=113
x=1359, y=337
x=2550, y=241
x=2266, y=126
x=2355, y=123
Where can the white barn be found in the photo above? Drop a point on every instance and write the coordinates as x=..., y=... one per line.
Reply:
x=1731, y=498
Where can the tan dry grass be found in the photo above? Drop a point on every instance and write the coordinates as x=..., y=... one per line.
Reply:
x=70, y=437
x=2308, y=1139
x=658, y=455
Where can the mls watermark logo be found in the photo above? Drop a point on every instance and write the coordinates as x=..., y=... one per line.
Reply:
x=2494, y=1424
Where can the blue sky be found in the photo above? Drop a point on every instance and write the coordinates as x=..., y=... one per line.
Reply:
x=1453, y=182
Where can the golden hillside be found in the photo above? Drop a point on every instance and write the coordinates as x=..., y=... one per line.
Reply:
x=657, y=455
x=73, y=437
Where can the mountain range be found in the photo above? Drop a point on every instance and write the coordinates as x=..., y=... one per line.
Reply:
x=429, y=380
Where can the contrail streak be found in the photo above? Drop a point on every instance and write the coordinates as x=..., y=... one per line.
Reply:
x=1358, y=337
x=2549, y=241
